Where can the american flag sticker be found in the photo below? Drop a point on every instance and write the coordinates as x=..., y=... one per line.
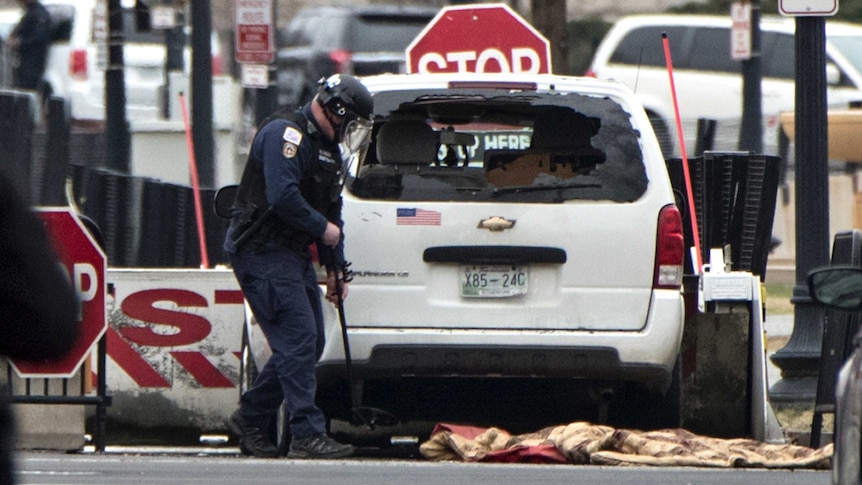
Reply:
x=417, y=217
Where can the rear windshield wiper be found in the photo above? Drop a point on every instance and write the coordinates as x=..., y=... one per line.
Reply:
x=537, y=188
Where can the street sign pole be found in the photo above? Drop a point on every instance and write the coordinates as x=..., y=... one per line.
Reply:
x=799, y=360
x=202, y=92
x=255, y=51
x=117, y=136
x=751, y=129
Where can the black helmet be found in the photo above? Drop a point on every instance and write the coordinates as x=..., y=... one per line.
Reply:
x=343, y=94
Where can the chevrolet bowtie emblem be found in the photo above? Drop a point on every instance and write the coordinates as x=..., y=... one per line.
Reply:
x=496, y=223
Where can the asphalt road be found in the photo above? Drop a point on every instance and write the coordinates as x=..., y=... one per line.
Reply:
x=216, y=469
x=223, y=465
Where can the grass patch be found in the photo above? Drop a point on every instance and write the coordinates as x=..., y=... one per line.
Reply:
x=773, y=344
x=778, y=299
x=796, y=419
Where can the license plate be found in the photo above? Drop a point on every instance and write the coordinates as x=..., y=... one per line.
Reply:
x=493, y=281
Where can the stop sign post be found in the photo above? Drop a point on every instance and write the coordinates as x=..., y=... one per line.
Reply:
x=85, y=263
x=479, y=38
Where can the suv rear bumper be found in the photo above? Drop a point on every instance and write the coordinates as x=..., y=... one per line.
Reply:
x=394, y=361
x=646, y=356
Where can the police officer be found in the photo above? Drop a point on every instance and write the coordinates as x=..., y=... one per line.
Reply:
x=288, y=198
x=31, y=39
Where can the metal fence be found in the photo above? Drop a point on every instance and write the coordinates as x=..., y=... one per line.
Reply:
x=145, y=222
x=140, y=222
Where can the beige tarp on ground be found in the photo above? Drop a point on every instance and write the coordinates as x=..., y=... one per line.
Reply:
x=585, y=443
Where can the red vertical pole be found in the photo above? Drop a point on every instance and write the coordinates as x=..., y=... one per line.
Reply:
x=689, y=192
x=196, y=188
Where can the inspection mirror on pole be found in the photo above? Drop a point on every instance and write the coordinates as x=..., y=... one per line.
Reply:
x=807, y=8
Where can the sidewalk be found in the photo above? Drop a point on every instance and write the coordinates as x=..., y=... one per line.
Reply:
x=776, y=326
x=781, y=271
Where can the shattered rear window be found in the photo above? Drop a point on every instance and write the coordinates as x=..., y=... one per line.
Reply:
x=500, y=146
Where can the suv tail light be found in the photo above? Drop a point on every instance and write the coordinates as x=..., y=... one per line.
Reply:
x=590, y=73
x=343, y=60
x=78, y=64
x=670, y=249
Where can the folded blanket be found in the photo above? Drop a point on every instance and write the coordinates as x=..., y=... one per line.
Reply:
x=585, y=443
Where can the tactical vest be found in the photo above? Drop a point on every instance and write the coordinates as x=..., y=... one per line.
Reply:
x=321, y=186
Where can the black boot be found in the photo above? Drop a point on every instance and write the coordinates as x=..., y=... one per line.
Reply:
x=252, y=441
x=318, y=446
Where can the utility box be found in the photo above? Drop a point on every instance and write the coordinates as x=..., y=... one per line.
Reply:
x=714, y=363
x=723, y=358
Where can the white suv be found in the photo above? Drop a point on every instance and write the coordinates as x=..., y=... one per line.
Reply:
x=516, y=250
x=708, y=81
x=73, y=70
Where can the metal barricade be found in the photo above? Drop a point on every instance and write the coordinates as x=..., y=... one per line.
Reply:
x=74, y=390
x=839, y=328
x=735, y=195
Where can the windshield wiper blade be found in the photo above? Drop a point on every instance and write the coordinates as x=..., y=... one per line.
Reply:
x=517, y=189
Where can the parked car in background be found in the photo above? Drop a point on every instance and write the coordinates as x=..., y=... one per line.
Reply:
x=840, y=287
x=708, y=81
x=361, y=40
x=76, y=63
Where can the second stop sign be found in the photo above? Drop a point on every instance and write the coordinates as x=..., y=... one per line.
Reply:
x=479, y=38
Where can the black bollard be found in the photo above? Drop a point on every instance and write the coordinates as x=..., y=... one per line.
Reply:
x=16, y=135
x=53, y=190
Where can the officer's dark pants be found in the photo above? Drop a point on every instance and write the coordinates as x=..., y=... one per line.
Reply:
x=281, y=288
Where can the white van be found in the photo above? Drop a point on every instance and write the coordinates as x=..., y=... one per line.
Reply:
x=517, y=255
x=75, y=71
x=708, y=81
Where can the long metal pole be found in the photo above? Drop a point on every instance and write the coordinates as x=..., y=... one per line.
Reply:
x=117, y=138
x=202, y=91
x=799, y=360
x=751, y=130
x=175, y=41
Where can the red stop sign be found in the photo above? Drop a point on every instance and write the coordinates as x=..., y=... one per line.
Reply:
x=479, y=38
x=84, y=262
